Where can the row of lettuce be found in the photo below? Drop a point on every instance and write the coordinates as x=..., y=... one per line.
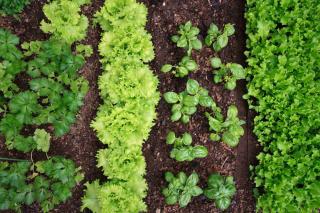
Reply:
x=128, y=89
x=52, y=95
x=284, y=89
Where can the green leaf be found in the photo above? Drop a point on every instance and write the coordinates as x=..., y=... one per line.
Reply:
x=193, y=179
x=214, y=137
x=229, y=29
x=169, y=176
x=190, y=101
x=191, y=65
x=171, y=137
x=231, y=84
x=221, y=42
x=186, y=139
x=176, y=116
x=200, y=152
x=196, y=191
x=223, y=203
x=206, y=101
x=192, y=87
x=184, y=200
x=215, y=62
x=237, y=70
x=196, y=44
x=42, y=139
x=185, y=119
x=166, y=68
x=171, y=97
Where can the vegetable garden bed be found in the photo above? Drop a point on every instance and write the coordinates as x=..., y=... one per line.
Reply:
x=165, y=125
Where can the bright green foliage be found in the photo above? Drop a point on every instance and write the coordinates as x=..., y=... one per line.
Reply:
x=183, y=151
x=187, y=38
x=128, y=89
x=65, y=21
x=218, y=39
x=115, y=196
x=85, y=50
x=221, y=190
x=49, y=185
x=185, y=103
x=228, y=130
x=185, y=66
x=55, y=95
x=12, y=7
x=181, y=188
x=42, y=139
x=228, y=73
x=284, y=89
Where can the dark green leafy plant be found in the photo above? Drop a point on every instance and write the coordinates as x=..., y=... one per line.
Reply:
x=185, y=66
x=185, y=103
x=229, y=73
x=183, y=150
x=55, y=90
x=49, y=184
x=181, y=188
x=187, y=37
x=218, y=39
x=12, y=7
x=221, y=190
x=228, y=130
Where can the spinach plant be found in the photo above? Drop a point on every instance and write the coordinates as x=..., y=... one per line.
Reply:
x=181, y=188
x=187, y=38
x=183, y=150
x=228, y=73
x=219, y=39
x=228, y=130
x=185, y=103
x=221, y=190
x=185, y=66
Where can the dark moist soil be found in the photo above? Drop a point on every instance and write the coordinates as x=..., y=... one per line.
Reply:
x=81, y=144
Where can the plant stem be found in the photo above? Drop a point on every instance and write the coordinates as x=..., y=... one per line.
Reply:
x=12, y=159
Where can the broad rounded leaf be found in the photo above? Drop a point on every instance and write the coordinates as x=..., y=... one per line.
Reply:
x=215, y=62
x=171, y=137
x=171, y=97
x=192, y=87
x=176, y=116
x=184, y=199
x=186, y=139
x=166, y=68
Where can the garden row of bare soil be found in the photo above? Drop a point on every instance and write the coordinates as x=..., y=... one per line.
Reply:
x=81, y=144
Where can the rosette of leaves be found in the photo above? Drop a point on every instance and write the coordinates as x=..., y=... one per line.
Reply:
x=50, y=183
x=12, y=7
x=185, y=103
x=181, y=188
x=219, y=39
x=221, y=190
x=65, y=21
x=228, y=130
x=185, y=66
x=228, y=73
x=182, y=148
x=187, y=38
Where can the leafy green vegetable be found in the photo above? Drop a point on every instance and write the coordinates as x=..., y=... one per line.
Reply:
x=185, y=66
x=42, y=139
x=229, y=73
x=12, y=7
x=181, y=188
x=187, y=38
x=185, y=103
x=230, y=128
x=55, y=94
x=65, y=22
x=128, y=89
x=221, y=190
x=217, y=39
x=284, y=90
x=183, y=151
x=49, y=185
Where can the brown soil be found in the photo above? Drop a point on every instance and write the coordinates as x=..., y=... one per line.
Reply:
x=81, y=144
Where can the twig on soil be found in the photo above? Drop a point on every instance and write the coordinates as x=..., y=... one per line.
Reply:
x=224, y=162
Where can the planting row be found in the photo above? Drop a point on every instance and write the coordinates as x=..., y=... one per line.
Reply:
x=284, y=88
x=46, y=107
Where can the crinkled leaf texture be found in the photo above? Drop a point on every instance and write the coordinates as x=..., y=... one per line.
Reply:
x=128, y=89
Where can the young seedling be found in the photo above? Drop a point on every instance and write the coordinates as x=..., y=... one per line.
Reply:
x=218, y=39
x=230, y=130
x=183, y=150
x=181, y=188
x=185, y=66
x=187, y=38
x=221, y=190
x=185, y=103
x=229, y=73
